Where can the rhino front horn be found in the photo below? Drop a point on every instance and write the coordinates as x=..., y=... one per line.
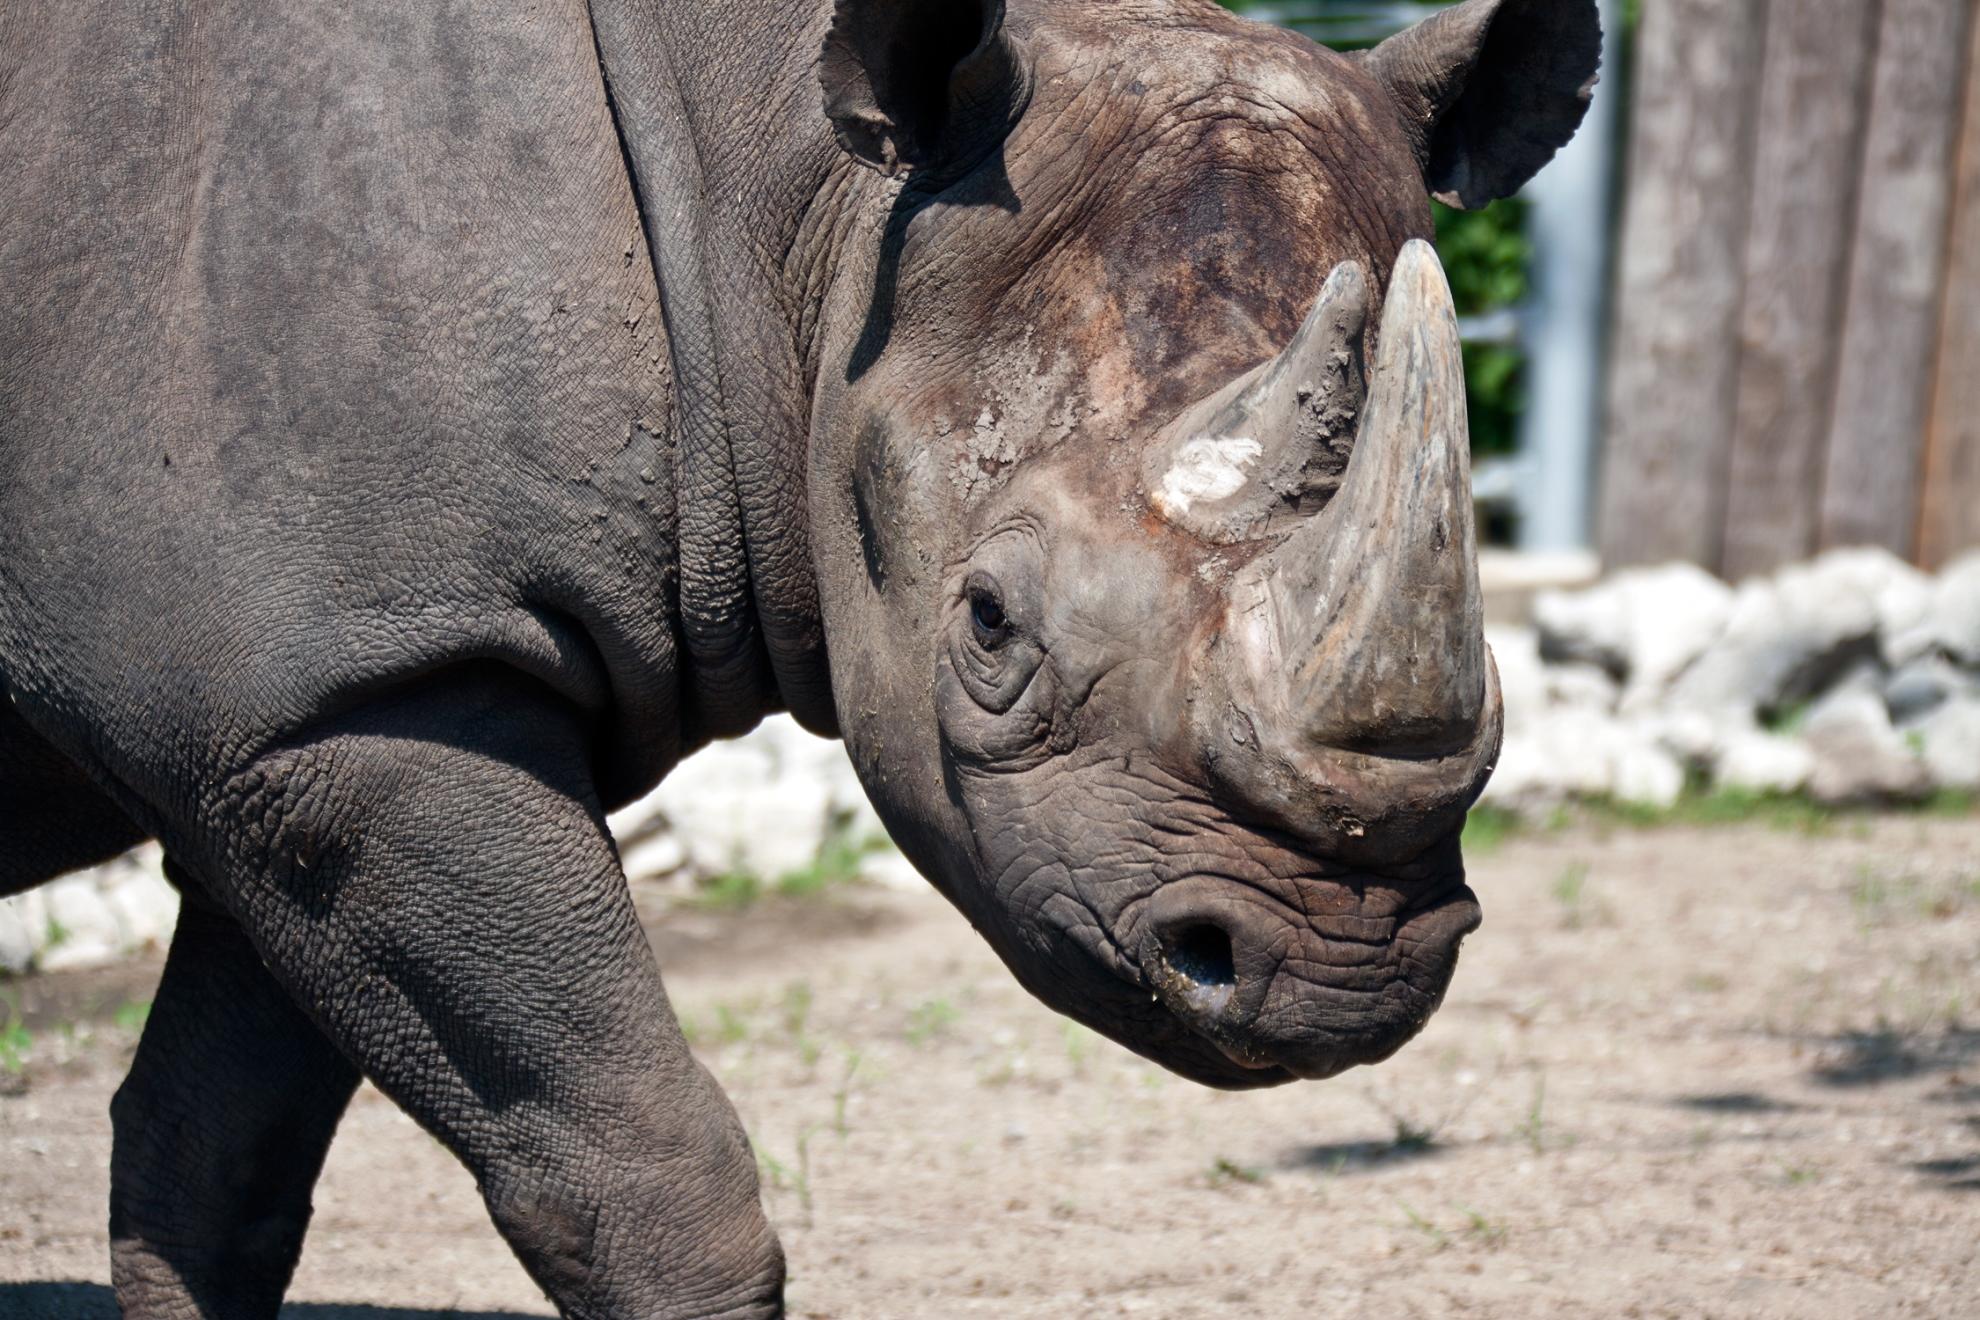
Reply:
x=1354, y=671
x=1381, y=593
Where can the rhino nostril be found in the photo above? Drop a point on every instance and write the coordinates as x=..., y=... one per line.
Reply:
x=1202, y=953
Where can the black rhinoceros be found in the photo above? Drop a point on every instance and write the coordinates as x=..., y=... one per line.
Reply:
x=426, y=423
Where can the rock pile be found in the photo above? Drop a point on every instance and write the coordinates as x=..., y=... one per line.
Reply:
x=90, y=917
x=766, y=804
x=1854, y=678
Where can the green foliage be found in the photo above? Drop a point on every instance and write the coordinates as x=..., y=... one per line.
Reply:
x=1486, y=254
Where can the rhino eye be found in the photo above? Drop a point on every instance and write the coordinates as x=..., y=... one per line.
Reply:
x=986, y=615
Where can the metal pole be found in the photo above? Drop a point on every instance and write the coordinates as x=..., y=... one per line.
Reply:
x=1565, y=319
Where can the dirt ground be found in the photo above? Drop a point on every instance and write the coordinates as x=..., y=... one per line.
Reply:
x=1706, y=1072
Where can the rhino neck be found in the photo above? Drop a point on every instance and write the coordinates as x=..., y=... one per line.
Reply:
x=717, y=111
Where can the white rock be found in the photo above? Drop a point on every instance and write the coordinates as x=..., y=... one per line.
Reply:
x=858, y=818
x=1790, y=635
x=1644, y=625
x=144, y=903
x=764, y=803
x=1955, y=619
x=18, y=943
x=654, y=856
x=1691, y=736
x=1900, y=594
x=81, y=929
x=1859, y=755
x=1522, y=676
x=1923, y=684
x=1949, y=743
x=1587, y=687
x=1753, y=760
x=888, y=869
x=1565, y=753
x=149, y=911
x=1591, y=626
x=1647, y=775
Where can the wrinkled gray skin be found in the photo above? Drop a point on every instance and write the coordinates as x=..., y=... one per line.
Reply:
x=423, y=425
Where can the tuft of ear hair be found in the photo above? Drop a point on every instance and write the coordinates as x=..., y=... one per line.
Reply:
x=919, y=84
x=1489, y=90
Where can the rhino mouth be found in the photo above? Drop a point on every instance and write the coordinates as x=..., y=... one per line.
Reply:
x=1281, y=994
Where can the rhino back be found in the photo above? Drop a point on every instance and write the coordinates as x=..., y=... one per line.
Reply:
x=335, y=357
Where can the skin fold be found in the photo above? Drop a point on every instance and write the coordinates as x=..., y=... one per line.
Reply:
x=423, y=426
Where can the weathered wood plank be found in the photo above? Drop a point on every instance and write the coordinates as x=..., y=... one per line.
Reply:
x=1814, y=99
x=1674, y=352
x=1871, y=482
x=1950, y=522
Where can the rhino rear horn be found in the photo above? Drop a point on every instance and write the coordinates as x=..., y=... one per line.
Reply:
x=1269, y=449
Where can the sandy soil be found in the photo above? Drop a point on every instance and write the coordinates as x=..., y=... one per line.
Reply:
x=1725, y=1072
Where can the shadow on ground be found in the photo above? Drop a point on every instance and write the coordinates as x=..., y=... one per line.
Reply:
x=1869, y=1058
x=1872, y=1058
x=93, y=1301
x=1736, y=1102
x=1360, y=1156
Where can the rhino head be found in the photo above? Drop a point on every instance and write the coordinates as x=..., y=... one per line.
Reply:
x=1140, y=498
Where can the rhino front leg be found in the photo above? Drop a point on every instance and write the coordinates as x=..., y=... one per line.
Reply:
x=221, y=1128
x=432, y=880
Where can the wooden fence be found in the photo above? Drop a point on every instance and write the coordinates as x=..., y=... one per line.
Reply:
x=1795, y=350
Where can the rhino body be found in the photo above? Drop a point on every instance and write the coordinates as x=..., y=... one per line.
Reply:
x=423, y=425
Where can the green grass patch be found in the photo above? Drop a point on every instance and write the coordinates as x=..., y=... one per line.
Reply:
x=15, y=1039
x=930, y=1018
x=1490, y=827
x=1225, y=1171
x=730, y=889
x=837, y=863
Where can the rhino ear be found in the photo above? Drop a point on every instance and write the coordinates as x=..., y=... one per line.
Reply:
x=919, y=84
x=1490, y=89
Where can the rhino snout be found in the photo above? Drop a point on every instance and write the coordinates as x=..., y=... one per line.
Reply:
x=1276, y=993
